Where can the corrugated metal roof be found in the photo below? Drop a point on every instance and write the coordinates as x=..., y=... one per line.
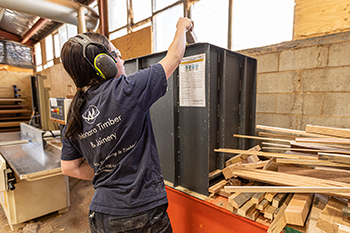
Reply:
x=14, y=25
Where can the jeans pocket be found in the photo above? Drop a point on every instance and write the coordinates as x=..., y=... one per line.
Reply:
x=162, y=224
x=129, y=223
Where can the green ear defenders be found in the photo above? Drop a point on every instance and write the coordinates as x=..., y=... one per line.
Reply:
x=104, y=63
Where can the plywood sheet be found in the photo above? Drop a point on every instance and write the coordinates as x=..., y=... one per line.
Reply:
x=58, y=81
x=317, y=18
x=135, y=44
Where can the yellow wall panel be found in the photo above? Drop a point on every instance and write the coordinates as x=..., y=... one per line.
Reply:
x=320, y=17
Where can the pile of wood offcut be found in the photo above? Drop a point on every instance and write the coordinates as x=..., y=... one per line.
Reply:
x=291, y=179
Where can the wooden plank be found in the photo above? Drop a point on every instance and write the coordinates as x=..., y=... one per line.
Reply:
x=316, y=146
x=10, y=124
x=233, y=196
x=241, y=157
x=318, y=204
x=13, y=111
x=298, y=209
x=279, y=199
x=214, y=174
x=279, y=222
x=241, y=199
x=269, y=213
x=331, y=215
x=246, y=209
x=234, y=182
x=254, y=215
x=275, y=135
x=14, y=118
x=272, y=191
x=15, y=69
x=276, y=144
x=276, y=178
x=330, y=169
x=13, y=106
x=259, y=164
x=12, y=99
x=343, y=228
x=341, y=176
x=338, y=132
x=324, y=140
x=223, y=193
x=266, y=154
x=288, y=131
x=126, y=44
x=263, y=221
x=271, y=165
x=336, y=158
x=252, y=158
x=269, y=196
x=310, y=162
x=315, y=18
x=346, y=211
x=262, y=205
x=257, y=198
x=307, y=150
x=260, y=138
x=216, y=187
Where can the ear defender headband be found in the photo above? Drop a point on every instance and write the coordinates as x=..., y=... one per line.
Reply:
x=104, y=63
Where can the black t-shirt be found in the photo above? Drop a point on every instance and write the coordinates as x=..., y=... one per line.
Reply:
x=117, y=141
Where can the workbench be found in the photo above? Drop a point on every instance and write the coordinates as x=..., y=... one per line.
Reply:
x=40, y=187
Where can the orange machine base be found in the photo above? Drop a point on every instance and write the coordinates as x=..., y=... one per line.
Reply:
x=191, y=215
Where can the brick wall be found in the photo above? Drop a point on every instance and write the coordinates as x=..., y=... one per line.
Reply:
x=304, y=82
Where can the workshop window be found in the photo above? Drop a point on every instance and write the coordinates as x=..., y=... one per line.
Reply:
x=72, y=30
x=117, y=14
x=56, y=42
x=142, y=26
x=63, y=36
x=161, y=4
x=119, y=33
x=38, y=60
x=211, y=21
x=268, y=22
x=49, y=50
x=142, y=9
x=164, y=27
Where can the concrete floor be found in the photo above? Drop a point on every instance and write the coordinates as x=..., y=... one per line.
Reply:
x=75, y=220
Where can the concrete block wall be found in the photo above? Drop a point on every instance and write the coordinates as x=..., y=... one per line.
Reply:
x=304, y=82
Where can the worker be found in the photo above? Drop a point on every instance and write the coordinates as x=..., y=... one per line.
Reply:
x=108, y=137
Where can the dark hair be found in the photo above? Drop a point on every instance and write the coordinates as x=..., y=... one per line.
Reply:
x=82, y=75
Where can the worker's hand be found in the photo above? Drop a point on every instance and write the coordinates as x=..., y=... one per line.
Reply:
x=185, y=23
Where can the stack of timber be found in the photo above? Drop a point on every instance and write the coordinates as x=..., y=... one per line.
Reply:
x=12, y=111
x=291, y=179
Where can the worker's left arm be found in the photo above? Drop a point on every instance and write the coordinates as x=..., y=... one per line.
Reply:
x=77, y=168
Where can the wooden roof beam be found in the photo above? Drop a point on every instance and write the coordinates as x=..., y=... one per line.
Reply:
x=16, y=38
x=36, y=27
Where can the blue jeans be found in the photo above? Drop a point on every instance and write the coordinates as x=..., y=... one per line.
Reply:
x=152, y=221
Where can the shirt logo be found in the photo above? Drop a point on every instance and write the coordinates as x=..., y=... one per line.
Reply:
x=91, y=114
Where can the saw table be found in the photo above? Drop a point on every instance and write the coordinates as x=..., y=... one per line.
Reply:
x=31, y=181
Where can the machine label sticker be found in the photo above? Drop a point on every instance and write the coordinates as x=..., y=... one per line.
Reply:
x=192, y=81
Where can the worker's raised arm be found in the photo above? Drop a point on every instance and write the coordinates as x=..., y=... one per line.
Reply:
x=177, y=48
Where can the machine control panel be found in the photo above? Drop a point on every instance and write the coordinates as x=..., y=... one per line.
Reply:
x=59, y=109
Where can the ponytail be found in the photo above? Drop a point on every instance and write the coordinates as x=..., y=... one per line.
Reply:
x=83, y=75
x=74, y=123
